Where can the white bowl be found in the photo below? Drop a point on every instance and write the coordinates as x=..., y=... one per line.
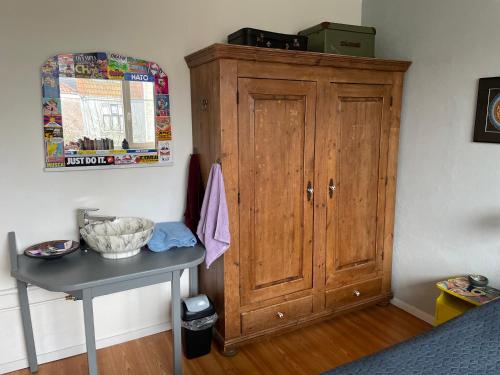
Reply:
x=120, y=238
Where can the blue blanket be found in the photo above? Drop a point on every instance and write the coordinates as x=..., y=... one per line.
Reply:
x=467, y=345
x=169, y=235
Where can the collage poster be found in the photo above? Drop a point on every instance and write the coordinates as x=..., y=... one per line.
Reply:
x=117, y=66
x=108, y=66
x=91, y=65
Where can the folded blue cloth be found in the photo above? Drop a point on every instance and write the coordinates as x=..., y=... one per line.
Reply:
x=171, y=234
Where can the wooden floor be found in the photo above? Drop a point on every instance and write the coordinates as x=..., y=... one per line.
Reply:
x=309, y=350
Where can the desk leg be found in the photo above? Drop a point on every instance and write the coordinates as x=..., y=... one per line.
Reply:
x=193, y=281
x=88, y=316
x=22, y=290
x=176, y=321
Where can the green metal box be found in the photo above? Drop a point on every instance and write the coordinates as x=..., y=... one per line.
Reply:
x=341, y=39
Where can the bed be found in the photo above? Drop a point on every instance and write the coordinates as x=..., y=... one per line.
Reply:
x=467, y=345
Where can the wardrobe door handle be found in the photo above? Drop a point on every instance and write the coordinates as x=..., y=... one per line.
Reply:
x=310, y=191
x=331, y=188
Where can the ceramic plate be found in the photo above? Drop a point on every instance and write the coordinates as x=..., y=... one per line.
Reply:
x=51, y=249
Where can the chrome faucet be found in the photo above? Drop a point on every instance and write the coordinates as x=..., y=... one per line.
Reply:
x=83, y=218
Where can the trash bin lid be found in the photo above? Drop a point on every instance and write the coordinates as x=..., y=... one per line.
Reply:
x=197, y=307
x=198, y=303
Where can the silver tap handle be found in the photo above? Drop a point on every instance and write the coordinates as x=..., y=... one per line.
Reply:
x=82, y=215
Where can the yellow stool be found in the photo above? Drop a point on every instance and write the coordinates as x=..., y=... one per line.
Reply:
x=458, y=296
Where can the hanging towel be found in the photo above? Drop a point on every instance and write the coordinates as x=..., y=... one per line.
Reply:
x=172, y=234
x=195, y=192
x=213, y=229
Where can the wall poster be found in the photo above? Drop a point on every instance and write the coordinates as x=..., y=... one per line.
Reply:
x=104, y=110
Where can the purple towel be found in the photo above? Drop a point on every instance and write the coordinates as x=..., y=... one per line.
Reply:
x=213, y=228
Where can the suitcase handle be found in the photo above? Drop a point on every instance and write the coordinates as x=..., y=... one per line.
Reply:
x=296, y=44
x=260, y=41
x=346, y=43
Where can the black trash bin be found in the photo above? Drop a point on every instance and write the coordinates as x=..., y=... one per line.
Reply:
x=198, y=318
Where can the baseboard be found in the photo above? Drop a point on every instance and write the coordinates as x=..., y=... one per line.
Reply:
x=79, y=349
x=413, y=310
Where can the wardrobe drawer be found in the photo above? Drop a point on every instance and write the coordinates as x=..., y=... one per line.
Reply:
x=275, y=315
x=354, y=293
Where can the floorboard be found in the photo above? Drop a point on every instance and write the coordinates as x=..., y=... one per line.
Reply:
x=310, y=350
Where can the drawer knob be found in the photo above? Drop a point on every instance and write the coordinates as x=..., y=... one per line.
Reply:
x=356, y=293
x=280, y=315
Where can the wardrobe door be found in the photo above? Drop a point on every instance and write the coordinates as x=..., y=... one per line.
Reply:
x=358, y=133
x=276, y=120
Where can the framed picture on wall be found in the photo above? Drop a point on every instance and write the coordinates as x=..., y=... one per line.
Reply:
x=487, y=126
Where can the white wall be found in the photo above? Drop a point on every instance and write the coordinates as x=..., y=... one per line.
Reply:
x=41, y=206
x=448, y=211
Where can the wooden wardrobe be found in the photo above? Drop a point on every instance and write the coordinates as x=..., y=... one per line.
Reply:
x=308, y=144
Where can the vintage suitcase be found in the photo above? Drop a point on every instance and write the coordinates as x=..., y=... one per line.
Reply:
x=341, y=39
x=260, y=38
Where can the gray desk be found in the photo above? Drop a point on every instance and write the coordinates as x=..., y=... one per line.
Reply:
x=86, y=275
